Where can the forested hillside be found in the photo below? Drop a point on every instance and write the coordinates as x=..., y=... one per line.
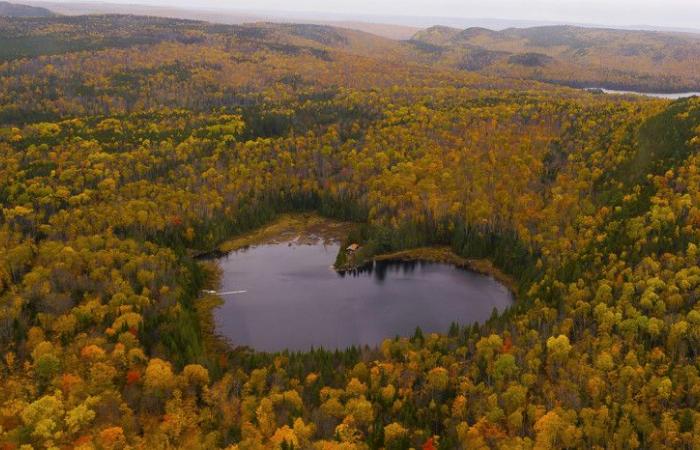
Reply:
x=130, y=145
x=8, y=9
x=647, y=61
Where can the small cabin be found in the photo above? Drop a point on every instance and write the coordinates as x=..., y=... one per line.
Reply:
x=352, y=248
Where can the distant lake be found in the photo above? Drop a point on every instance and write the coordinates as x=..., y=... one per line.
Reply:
x=287, y=296
x=674, y=96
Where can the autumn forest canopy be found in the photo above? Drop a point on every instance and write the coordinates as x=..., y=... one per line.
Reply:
x=129, y=146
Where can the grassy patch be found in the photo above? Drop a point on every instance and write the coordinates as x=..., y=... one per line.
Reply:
x=299, y=228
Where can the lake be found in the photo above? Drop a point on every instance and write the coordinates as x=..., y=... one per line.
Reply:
x=672, y=96
x=285, y=295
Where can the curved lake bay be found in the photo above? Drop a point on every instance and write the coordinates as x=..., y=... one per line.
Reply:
x=285, y=295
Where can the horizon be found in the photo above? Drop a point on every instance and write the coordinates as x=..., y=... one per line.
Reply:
x=676, y=14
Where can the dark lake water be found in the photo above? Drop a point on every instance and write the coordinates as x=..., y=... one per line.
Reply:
x=294, y=300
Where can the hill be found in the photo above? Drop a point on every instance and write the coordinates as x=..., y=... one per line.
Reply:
x=574, y=56
x=16, y=10
x=231, y=17
x=65, y=34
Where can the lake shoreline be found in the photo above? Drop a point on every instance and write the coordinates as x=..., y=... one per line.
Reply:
x=656, y=95
x=445, y=255
x=308, y=228
x=301, y=228
x=280, y=296
x=301, y=234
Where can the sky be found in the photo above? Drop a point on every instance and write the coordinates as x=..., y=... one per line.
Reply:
x=667, y=13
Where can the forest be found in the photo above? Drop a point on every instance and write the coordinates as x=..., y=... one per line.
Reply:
x=636, y=60
x=131, y=145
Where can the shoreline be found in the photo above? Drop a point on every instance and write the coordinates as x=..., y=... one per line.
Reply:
x=445, y=255
x=309, y=228
x=300, y=228
x=653, y=95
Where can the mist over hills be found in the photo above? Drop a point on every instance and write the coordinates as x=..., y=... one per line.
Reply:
x=16, y=10
x=392, y=26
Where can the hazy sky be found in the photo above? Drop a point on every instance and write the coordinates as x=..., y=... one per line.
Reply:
x=677, y=13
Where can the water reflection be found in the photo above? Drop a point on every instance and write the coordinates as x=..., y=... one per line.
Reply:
x=294, y=300
x=380, y=269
